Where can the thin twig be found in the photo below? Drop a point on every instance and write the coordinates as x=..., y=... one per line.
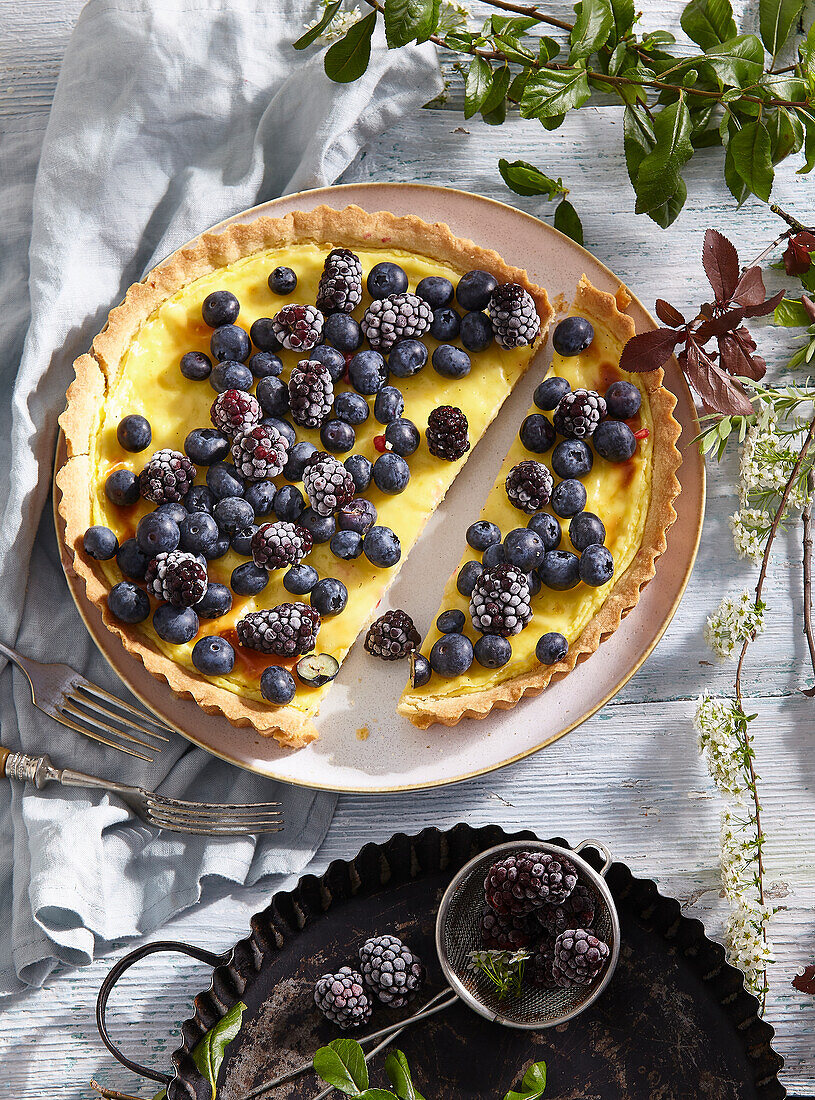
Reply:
x=807, y=540
x=535, y=13
x=112, y=1094
x=799, y=227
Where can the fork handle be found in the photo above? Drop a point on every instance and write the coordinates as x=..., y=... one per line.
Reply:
x=19, y=765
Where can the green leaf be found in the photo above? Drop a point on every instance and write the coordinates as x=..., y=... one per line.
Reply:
x=533, y=1084
x=790, y=313
x=476, y=85
x=708, y=23
x=377, y=1094
x=658, y=177
x=786, y=133
x=525, y=179
x=315, y=32
x=348, y=59
x=513, y=50
x=398, y=1072
x=410, y=21
x=806, y=53
x=503, y=24
x=738, y=61
x=209, y=1053
x=752, y=158
x=592, y=26
x=551, y=92
x=736, y=185
x=498, y=90
x=553, y=123
x=638, y=139
x=568, y=221
x=635, y=93
x=342, y=1064
x=808, y=120
x=548, y=49
x=667, y=214
x=460, y=40
x=776, y=18
x=624, y=16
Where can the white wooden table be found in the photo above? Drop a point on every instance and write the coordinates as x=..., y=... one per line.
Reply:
x=630, y=775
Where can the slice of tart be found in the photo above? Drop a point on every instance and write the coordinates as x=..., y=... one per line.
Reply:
x=247, y=461
x=569, y=534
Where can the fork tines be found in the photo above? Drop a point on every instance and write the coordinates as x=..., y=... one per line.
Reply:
x=82, y=710
x=220, y=819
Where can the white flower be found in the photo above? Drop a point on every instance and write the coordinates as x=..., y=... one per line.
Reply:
x=716, y=721
x=451, y=16
x=737, y=849
x=747, y=945
x=750, y=528
x=735, y=620
x=766, y=461
x=339, y=25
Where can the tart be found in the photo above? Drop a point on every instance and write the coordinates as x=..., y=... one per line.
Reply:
x=269, y=319
x=573, y=578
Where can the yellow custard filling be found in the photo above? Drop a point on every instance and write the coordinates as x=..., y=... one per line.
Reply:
x=148, y=381
x=619, y=493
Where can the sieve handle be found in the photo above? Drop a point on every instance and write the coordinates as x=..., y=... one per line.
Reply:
x=591, y=843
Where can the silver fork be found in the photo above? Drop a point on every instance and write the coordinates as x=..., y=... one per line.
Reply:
x=69, y=698
x=202, y=818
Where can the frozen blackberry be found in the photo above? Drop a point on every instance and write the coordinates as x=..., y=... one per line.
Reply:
x=298, y=327
x=392, y=637
x=524, y=881
x=505, y=933
x=579, y=957
x=260, y=452
x=399, y=317
x=234, y=411
x=341, y=282
x=327, y=483
x=514, y=317
x=287, y=629
x=529, y=485
x=168, y=475
x=390, y=969
x=540, y=971
x=177, y=577
x=577, y=911
x=277, y=544
x=311, y=393
x=446, y=433
x=500, y=601
x=342, y=999
x=578, y=414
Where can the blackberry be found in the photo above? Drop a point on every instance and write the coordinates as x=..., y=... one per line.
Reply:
x=529, y=485
x=166, y=476
x=578, y=413
x=524, y=881
x=399, y=317
x=277, y=544
x=392, y=637
x=177, y=577
x=540, y=971
x=327, y=483
x=234, y=411
x=446, y=433
x=505, y=933
x=500, y=601
x=298, y=327
x=579, y=957
x=514, y=317
x=287, y=629
x=311, y=393
x=577, y=911
x=390, y=969
x=342, y=999
x=341, y=282
x=260, y=452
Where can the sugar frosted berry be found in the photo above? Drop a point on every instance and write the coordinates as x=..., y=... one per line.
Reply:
x=285, y=630
x=195, y=365
x=524, y=548
x=368, y=372
x=579, y=957
x=579, y=413
x=586, y=529
x=134, y=433
x=529, y=486
x=614, y=441
x=327, y=483
x=577, y=911
x=341, y=282
x=275, y=545
x=329, y=596
x=623, y=400
x=283, y=427
x=381, y=547
x=100, y=543
x=397, y=317
x=492, y=650
x=122, y=488
x=514, y=316
x=451, y=655
x=157, y=533
x=298, y=327
x=499, y=603
x=277, y=685
x=342, y=999
x=391, y=970
x=166, y=476
x=177, y=577
x=392, y=636
x=572, y=335
x=233, y=411
x=221, y=307
x=559, y=570
x=407, y=357
x=596, y=566
x=572, y=458
x=545, y=525
x=482, y=534
x=550, y=391
x=386, y=278
x=402, y=437
x=467, y=576
x=475, y=289
x=128, y=603
x=551, y=648
x=451, y=622
x=311, y=393
x=523, y=881
x=282, y=281
x=568, y=498
x=213, y=656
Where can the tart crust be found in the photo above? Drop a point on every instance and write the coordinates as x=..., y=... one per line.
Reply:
x=350, y=227
x=427, y=709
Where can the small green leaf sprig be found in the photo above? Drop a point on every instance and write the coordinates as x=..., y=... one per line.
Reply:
x=504, y=969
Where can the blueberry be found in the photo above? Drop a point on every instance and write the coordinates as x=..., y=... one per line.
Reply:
x=537, y=433
x=420, y=670
x=572, y=458
x=100, y=543
x=199, y=498
x=451, y=362
x=568, y=498
x=203, y=446
x=175, y=624
x=492, y=651
x=475, y=289
x=346, y=545
x=128, y=603
x=381, y=547
x=231, y=513
x=262, y=335
x=586, y=529
x=551, y=648
x=282, y=281
x=361, y=470
x=331, y=358
x=406, y=358
x=213, y=656
x=614, y=441
x=385, y=279
x=476, y=331
x=549, y=393
x=221, y=547
x=357, y=515
x=220, y=308
x=157, y=533
x=230, y=375
x=451, y=655
x=338, y=437
x=572, y=335
x=329, y=596
x=524, y=549
x=321, y=528
x=261, y=495
x=559, y=570
x=299, y=455
x=228, y=342
x=446, y=324
x=493, y=555
x=534, y=583
x=122, y=488
x=435, y=290
x=403, y=437
x=623, y=400
x=389, y=404
x=289, y=503
x=300, y=579
x=132, y=560
x=391, y=473
x=195, y=365
x=342, y=331
x=173, y=509
x=241, y=540
x=283, y=427
x=351, y=407
x=216, y=601
x=277, y=685
x=199, y=534
x=467, y=576
x=248, y=579
x=367, y=372
x=596, y=565
x=482, y=534
x=451, y=622
x=265, y=364
x=545, y=525
x=134, y=432
x=273, y=396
